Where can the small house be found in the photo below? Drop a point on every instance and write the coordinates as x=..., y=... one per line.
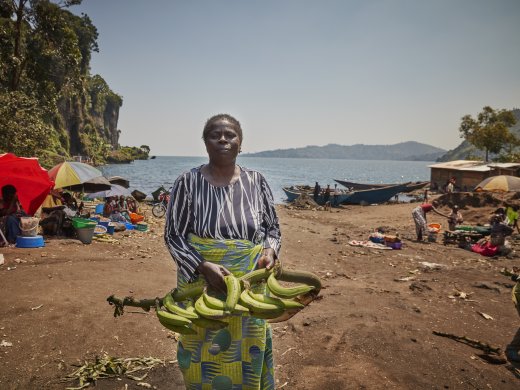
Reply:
x=468, y=173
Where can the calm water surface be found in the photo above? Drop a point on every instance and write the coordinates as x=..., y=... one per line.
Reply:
x=148, y=175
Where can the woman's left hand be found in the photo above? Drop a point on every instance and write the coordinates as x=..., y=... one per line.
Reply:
x=267, y=259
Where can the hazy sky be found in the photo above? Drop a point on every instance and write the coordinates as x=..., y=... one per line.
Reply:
x=299, y=73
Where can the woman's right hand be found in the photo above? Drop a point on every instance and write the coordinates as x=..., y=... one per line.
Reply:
x=214, y=275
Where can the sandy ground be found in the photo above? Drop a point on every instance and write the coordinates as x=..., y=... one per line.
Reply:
x=369, y=330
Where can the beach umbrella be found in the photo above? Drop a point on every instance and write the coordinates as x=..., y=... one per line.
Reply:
x=115, y=190
x=76, y=176
x=31, y=181
x=501, y=183
x=120, y=181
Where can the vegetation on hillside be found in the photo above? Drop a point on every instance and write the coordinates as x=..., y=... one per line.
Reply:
x=51, y=106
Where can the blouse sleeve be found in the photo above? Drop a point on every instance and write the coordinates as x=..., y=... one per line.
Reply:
x=270, y=223
x=177, y=228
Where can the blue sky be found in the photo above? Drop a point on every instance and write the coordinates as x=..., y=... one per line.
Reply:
x=299, y=73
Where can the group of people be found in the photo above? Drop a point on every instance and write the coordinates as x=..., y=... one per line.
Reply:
x=54, y=214
x=118, y=208
x=323, y=196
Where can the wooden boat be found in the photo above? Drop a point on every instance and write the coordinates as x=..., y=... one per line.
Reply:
x=360, y=186
x=375, y=195
x=410, y=186
x=294, y=192
x=416, y=186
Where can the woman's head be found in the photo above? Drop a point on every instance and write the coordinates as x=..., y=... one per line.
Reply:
x=221, y=120
x=223, y=138
x=8, y=192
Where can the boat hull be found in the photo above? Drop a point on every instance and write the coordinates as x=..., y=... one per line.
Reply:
x=374, y=195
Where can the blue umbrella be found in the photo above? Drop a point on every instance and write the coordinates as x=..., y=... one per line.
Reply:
x=115, y=190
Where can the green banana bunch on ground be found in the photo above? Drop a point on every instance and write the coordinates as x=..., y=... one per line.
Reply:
x=192, y=304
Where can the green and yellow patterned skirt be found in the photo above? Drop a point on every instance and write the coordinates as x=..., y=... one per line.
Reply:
x=238, y=357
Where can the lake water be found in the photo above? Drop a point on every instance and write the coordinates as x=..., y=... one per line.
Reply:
x=148, y=175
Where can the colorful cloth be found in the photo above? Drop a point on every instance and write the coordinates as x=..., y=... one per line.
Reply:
x=419, y=217
x=238, y=357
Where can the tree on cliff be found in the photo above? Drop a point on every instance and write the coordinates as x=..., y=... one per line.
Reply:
x=45, y=53
x=21, y=128
x=489, y=131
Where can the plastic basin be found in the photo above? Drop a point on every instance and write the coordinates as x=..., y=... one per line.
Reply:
x=142, y=227
x=135, y=218
x=80, y=223
x=100, y=229
x=29, y=242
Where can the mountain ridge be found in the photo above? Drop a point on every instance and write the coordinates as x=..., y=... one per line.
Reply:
x=402, y=151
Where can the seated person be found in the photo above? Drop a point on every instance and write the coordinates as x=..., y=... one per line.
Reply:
x=11, y=212
x=123, y=206
x=57, y=220
x=454, y=218
x=132, y=204
x=113, y=211
x=71, y=205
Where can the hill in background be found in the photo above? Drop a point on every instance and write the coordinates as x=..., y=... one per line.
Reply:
x=404, y=151
x=467, y=151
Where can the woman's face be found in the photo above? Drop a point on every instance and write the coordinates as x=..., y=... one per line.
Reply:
x=222, y=141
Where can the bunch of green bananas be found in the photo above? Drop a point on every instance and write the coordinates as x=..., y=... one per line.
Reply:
x=207, y=311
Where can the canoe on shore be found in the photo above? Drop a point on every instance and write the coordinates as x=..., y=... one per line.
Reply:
x=375, y=195
x=410, y=186
x=360, y=186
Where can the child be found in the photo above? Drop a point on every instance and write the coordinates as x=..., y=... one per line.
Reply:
x=455, y=218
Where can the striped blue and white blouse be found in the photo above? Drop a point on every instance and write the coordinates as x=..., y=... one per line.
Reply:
x=242, y=210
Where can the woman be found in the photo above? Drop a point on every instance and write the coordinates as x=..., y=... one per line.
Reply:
x=220, y=220
x=419, y=217
x=11, y=212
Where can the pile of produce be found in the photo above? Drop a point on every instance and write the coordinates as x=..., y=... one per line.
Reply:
x=194, y=304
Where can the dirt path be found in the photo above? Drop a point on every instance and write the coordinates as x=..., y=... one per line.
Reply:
x=369, y=330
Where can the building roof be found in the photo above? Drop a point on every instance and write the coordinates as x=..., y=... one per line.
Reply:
x=470, y=165
x=504, y=165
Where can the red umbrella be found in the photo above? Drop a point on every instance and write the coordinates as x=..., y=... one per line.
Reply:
x=31, y=181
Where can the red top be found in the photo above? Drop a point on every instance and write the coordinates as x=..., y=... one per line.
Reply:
x=426, y=207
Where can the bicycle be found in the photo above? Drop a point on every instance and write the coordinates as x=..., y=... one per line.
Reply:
x=159, y=208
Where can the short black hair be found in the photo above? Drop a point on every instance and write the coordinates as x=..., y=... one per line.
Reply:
x=8, y=191
x=209, y=125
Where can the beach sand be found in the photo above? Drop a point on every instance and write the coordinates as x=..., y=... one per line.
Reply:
x=369, y=330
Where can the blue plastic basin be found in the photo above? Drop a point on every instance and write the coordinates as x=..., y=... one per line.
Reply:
x=29, y=242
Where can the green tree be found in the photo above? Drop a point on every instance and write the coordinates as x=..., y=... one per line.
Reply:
x=23, y=130
x=489, y=131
